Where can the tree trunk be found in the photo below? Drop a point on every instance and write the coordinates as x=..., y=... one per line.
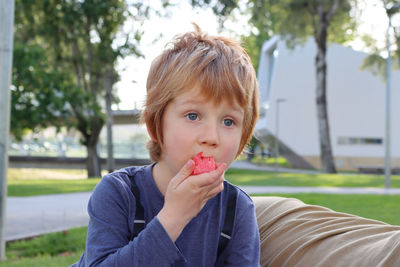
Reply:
x=93, y=165
x=327, y=162
x=91, y=135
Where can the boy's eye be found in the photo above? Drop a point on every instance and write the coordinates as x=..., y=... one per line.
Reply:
x=192, y=116
x=228, y=122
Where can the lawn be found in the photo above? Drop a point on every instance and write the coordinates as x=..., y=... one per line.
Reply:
x=32, y=182
x=55, y=249
x=34, y=187
x=251, y=177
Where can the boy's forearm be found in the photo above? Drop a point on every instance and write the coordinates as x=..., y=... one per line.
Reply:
x=172, y=224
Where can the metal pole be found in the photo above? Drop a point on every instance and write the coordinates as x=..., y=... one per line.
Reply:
x=110, y=122
x=6, y=51
x=387, y=128
x=279, y=100
x=277, y=135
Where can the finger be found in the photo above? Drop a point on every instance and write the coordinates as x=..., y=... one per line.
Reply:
x=215, y=190
x=218, y=183
x=209, y=178
x=183, y=173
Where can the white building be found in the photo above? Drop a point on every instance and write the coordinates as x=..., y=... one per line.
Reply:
x=356, y=104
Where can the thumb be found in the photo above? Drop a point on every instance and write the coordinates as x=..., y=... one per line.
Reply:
x=184, y=172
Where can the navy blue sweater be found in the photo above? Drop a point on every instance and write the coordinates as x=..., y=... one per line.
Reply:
x=111, y=210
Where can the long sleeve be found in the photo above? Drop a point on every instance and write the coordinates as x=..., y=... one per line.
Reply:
x=111, y=210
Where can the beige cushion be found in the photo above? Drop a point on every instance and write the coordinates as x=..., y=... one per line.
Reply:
x=295, y=234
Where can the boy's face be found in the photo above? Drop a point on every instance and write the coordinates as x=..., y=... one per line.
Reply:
x=193, y=124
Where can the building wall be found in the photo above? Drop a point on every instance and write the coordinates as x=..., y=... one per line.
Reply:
x=356, y=105
x=350, y=163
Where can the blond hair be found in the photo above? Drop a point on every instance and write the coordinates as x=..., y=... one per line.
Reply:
x=218, y=64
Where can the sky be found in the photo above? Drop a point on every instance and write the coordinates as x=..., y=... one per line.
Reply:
x=132, y=95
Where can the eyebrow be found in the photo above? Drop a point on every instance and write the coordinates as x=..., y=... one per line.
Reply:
x=190, y=102
x=199, y=102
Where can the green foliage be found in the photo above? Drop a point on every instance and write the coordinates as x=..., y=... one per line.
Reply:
x=52, y=244
x=222, y=7
x=38, y=92
x=375, y=62
x=55, y=249
x=43, y=261
x=82, y=40
x=294, y=20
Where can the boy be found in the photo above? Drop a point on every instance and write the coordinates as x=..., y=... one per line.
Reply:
x=202, y=96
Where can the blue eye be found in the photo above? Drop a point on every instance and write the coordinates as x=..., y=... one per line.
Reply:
x=228, y=122
x=192, y=116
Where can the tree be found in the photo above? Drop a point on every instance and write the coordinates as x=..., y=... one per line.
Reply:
x=37, y=94
x=296, y=21
x=82, y=40
x=375, y=61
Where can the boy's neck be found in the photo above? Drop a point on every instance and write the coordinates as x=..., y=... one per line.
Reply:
x=161, y=178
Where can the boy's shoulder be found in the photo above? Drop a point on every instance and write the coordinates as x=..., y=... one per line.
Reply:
x=127, y=173
x=243, y=200
x=121, y=179
x=240, y=193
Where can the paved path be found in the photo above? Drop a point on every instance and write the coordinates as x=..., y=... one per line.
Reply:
x=250, y=166
x=31, y=216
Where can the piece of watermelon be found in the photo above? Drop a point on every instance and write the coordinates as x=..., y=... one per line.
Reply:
x=203, y=164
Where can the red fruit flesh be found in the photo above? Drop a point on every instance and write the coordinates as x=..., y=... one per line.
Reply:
x=203, y=164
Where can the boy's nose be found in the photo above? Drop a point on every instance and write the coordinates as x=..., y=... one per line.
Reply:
x=209, y=135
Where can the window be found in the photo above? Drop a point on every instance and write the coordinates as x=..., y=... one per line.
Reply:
x=359, y=141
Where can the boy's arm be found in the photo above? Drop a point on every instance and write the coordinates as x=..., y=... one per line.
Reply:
x=186, y=195
x=112, y=214
x=112, y=210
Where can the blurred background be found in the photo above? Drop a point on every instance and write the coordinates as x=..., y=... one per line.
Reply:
x=80, y=69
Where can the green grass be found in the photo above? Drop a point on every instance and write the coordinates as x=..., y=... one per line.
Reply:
x=55, y=249
x=36, y=187
x=33, y=182
x=36, y=173
x=251, y=177
x=280, y=161
x=378, y=207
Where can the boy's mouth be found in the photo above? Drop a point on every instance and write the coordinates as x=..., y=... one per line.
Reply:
x=203, y=164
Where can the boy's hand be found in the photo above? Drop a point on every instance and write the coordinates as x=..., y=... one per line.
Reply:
x=186, y=195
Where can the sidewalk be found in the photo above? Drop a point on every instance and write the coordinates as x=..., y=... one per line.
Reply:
x=250, y=166
x=32, y=216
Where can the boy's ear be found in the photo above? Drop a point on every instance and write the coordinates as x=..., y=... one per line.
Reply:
x=151, y=134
